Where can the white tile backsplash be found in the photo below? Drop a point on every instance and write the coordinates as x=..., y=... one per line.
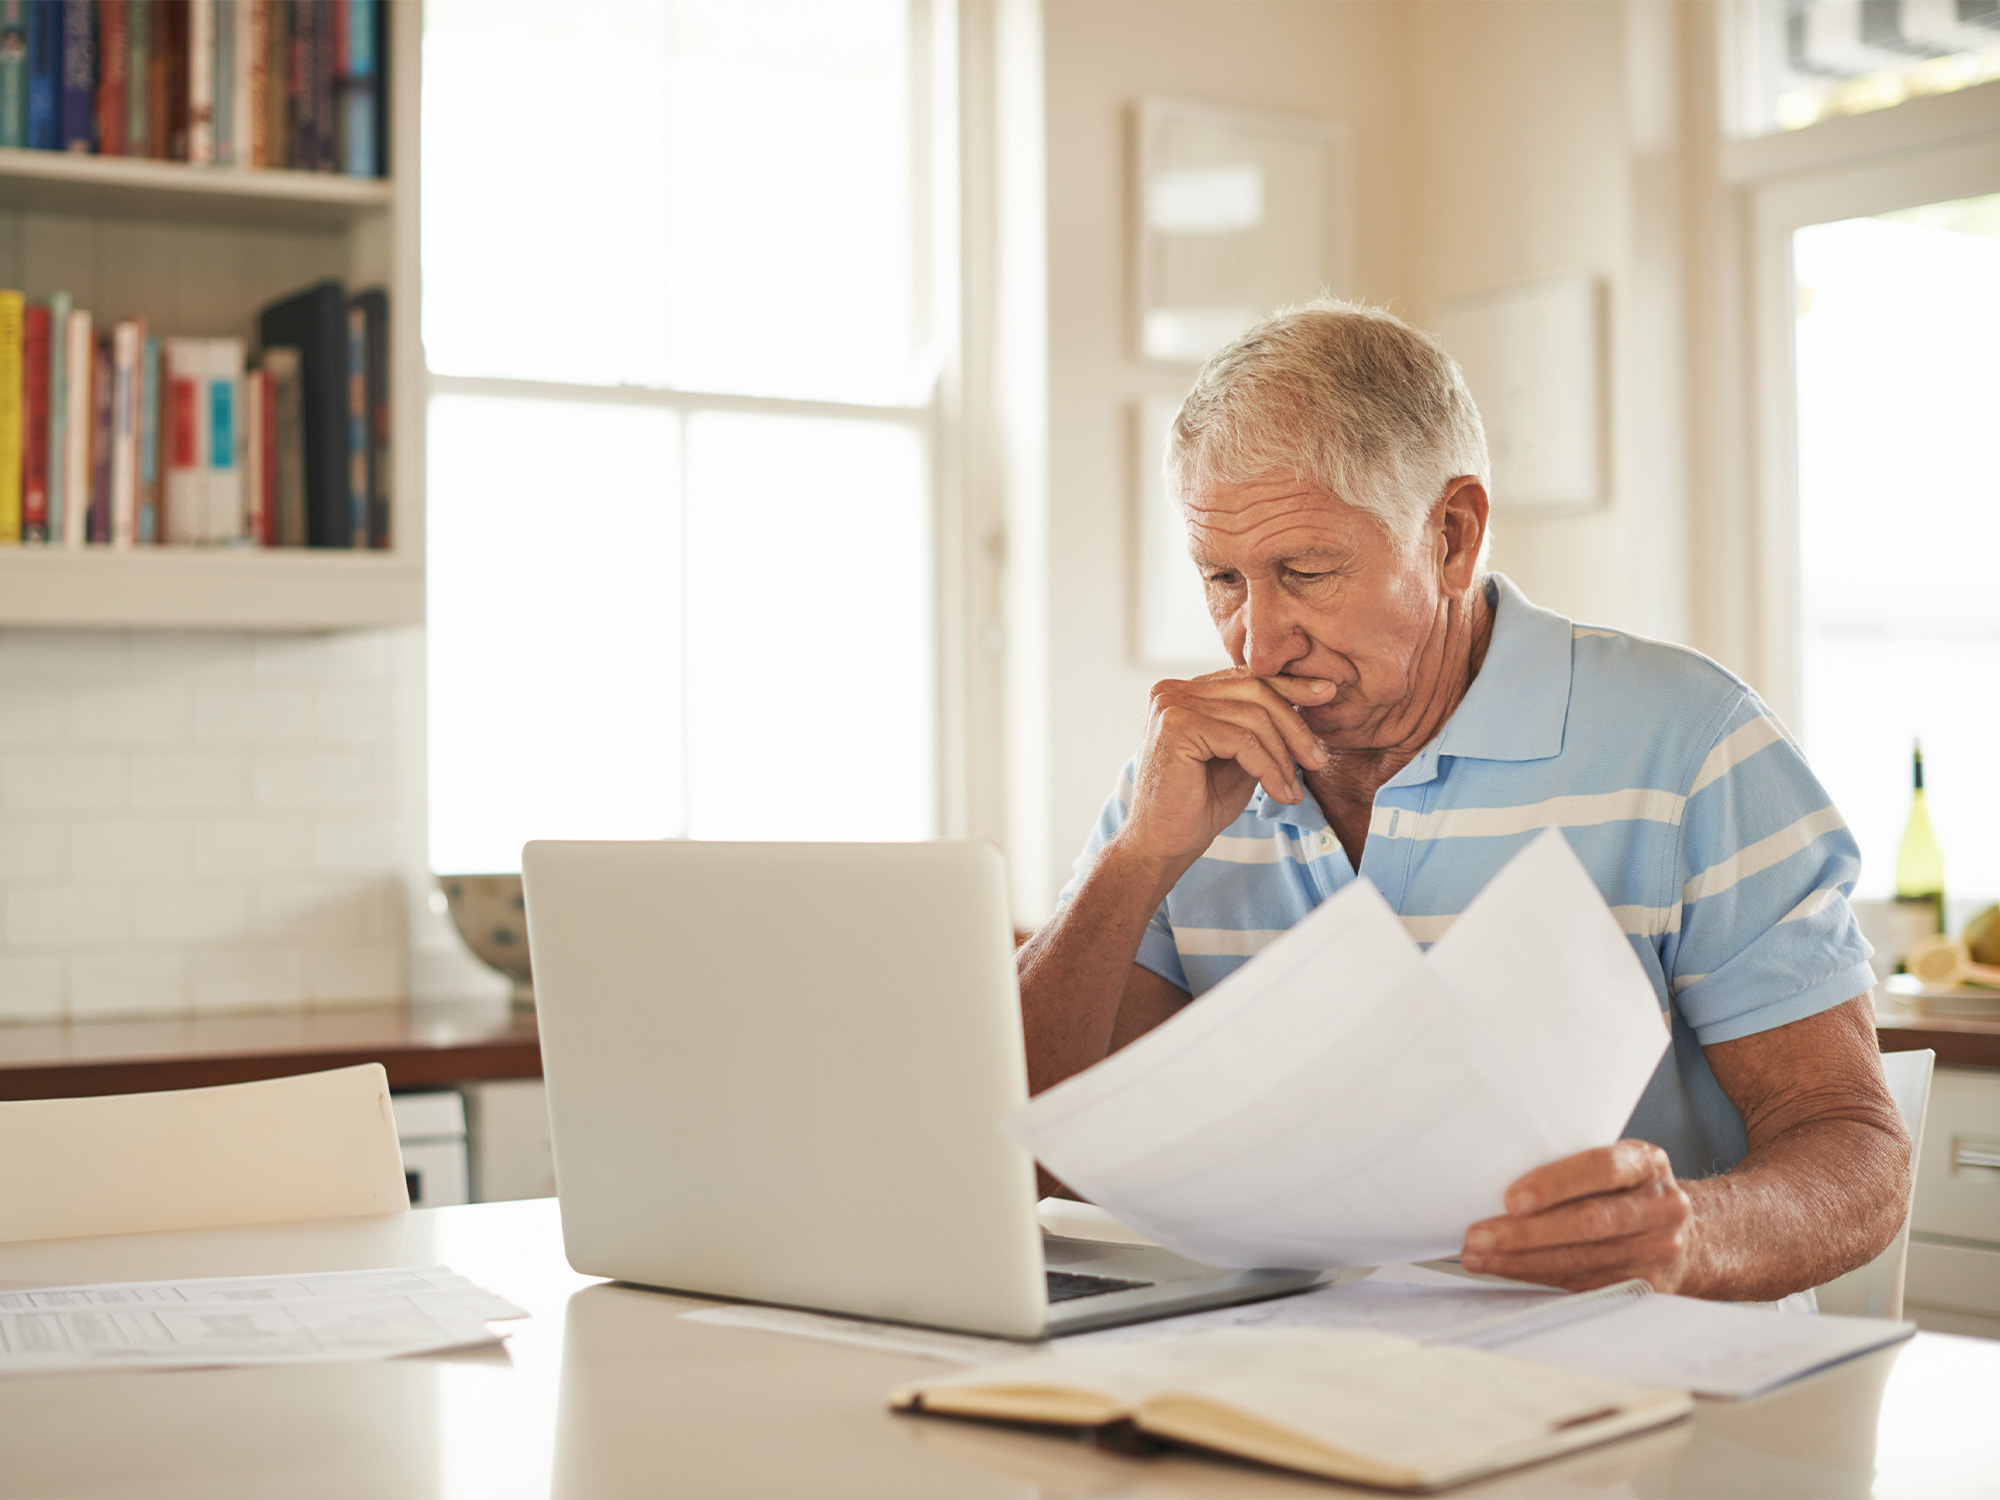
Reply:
x=202, y=821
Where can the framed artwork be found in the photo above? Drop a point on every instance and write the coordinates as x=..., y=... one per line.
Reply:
x=1236, y=214
x=1534, y=358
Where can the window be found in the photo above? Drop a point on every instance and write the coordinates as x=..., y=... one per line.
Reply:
x=678, y=445
x=1899, y=526
x=1809, y=60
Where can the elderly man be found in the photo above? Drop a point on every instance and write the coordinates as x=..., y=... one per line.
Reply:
x=1397, y=712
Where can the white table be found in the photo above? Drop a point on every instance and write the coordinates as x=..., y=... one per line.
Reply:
x=606, y=1391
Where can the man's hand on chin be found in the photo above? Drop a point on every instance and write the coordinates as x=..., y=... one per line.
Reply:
x=1590, y=1220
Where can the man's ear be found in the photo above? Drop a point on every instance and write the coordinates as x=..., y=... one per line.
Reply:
x=1460, y=518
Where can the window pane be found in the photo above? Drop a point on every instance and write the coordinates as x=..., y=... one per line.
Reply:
x=544, y=219
x=554, y=627
x=709, y=194
x=1809, y=60
x=809, y=630
x=1899, y=510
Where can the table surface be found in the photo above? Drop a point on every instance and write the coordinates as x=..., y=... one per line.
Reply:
x=606, y=1391
x=418, y=1044
x=1962, y=1037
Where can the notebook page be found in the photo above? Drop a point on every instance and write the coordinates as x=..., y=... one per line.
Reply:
x=1712, y=1348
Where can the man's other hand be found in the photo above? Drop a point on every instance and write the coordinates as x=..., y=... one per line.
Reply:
x=1590, y=1220
x=1210, y=742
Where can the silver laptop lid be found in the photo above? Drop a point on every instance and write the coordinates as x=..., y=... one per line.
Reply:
x=776, y=1071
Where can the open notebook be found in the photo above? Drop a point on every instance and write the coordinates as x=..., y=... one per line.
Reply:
x=1349, y=1404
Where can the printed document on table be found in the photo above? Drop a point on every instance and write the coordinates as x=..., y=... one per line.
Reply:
x=245, y=1320
x=1346, y=1100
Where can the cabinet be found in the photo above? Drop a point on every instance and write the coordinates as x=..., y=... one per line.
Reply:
x=197, y=251
x=1954, y=1268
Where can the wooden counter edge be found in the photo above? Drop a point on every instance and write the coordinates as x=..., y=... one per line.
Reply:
x=409, y=1066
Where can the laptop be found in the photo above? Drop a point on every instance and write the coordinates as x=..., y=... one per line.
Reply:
x=776, y=1073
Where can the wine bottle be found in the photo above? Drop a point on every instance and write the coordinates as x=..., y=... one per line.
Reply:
x=1920, y=862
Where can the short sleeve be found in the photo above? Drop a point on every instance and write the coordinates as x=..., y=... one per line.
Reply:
x=1156, y=949
x=1766, y=936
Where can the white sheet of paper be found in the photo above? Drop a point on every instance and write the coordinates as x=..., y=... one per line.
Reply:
x=1345, y=1100
x=246, y=1320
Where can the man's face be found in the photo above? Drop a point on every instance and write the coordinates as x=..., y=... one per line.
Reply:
x=1302, y=584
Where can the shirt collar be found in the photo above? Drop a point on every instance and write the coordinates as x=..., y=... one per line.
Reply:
x=1515, y=709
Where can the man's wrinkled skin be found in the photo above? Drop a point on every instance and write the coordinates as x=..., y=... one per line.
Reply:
x=1350, y=653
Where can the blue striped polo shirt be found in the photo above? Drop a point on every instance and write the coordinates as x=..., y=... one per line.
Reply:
x=1712, y=842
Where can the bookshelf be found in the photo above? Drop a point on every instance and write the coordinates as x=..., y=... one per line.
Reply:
x=197, y=251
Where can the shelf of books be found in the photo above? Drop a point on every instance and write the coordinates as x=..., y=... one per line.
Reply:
x=201, y=245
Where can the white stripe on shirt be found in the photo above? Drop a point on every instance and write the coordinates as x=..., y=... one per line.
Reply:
x=1225, y=942
x=1645, y=803
x=1740, y=746
x=1752, y=858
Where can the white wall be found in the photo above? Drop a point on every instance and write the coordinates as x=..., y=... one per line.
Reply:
x=1332, y=61
x=196, y=822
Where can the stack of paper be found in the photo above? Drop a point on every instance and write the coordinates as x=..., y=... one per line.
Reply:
x=245, y=1320
x=1346, y=1100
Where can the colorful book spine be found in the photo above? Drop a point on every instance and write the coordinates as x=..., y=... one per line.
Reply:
x=59, y=310
x=128, y=338
x=222, y=409
x=358, y=445
x=114, y=54
x=256, y=502
x=225, y=83
x=45, y=21
x=255, y=41
x=35, y=423
x=174, y=21
x=79, y=361
x=201, y=81
x=13, y=306
x=160, y=77
x=277, y=84
x=79, y=75
x=14, y=73
x=100, y=440
x=186, y=490
x=359, y=150
x=138, y=47
x=149, y=443
x=245, y=60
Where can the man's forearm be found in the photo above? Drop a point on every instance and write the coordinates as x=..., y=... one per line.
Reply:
x=1074, y=971
x=1815, y=1202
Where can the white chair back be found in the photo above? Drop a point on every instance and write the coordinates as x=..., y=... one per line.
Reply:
x=316, y=1146
x=1876, y=1289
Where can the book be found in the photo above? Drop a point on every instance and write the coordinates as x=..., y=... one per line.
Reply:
x=59, y=310
x=254, y=44
x=35, y=423
x=256, y=492
x=184, y=494
x=201, y=81
x=221, y=408
x=79, y=76
x=314, y=322
x=114, y=55
x=13, y=307
x=128, y=339
x=374, y=304
x=149, y=443
x=44, y=74
x=246, y=44
x=79, y=364
x=288, y=456
x=172, y=20
x=359, y=156
x=138, y=55
x=359, y=448
x=98, y=530
x=277, y=84
x=159, y=78
x=1352, y=1404
x=14, y=73
x=224, y=22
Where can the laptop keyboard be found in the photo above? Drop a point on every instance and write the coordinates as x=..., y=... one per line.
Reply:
x=1067, y=1286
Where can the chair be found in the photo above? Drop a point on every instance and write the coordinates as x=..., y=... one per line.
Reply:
x=1876, y=1289
x=316, y=1146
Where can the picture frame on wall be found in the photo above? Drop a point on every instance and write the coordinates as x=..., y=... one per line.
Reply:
x=1235, y=214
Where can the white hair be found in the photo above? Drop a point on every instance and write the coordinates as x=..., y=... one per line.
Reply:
x=1346, y=397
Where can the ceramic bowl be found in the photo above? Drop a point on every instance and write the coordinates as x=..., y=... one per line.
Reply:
x=493, y=920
